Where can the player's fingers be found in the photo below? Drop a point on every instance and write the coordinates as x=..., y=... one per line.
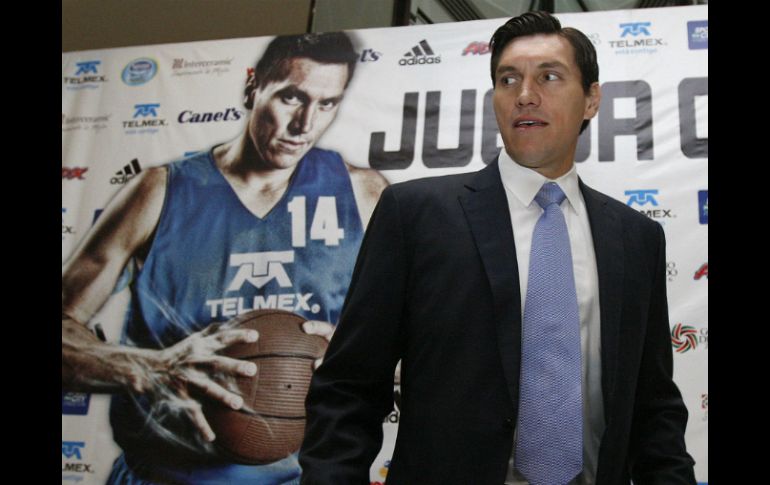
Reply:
x=227, y=365
x=317, y=327
x=215, y=391
x=199, y=420
x=226, y=338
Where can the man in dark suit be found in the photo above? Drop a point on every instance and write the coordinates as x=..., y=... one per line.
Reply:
x=441, y=284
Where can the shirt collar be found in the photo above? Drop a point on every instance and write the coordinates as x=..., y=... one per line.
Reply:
x=524, y=183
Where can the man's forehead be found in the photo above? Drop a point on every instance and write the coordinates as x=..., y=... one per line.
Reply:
x=539, y=49
x=310, y=75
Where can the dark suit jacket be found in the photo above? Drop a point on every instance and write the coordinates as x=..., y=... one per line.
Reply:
x=436, y=285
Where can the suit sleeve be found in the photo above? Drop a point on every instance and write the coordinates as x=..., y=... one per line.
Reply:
x=658, y=452
x=352, y=391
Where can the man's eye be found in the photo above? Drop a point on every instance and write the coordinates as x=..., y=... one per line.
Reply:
x=507, y=80
x=551, y=76
x=290, y=99
x=327, y=105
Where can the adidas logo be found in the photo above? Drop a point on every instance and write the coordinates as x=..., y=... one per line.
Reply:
x=420, y=54
x=126, y=173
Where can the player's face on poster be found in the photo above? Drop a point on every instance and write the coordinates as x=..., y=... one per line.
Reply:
x=540, y=103
x=289, y=116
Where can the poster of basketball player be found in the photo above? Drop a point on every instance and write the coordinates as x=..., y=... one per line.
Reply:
x=264, y=220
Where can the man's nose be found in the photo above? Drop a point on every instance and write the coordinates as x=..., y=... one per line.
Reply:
x=303, y=120
x=528, y=94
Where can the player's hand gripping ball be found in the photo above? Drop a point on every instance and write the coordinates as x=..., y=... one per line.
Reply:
x=271, y=423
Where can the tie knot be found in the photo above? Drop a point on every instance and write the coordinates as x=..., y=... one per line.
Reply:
x=549, y=193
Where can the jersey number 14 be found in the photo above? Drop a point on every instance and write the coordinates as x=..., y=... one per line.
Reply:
x=325, y=226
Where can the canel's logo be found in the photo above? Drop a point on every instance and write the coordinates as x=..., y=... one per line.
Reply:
x=71, y=449
x=260, y=268
x=145, y=110
x=635, y=29
x=86, y=67
x=641, y=197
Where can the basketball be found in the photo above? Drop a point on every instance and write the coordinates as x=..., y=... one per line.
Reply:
x=271, y=423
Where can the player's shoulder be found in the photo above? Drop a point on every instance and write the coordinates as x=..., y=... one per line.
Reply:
x=367, y=180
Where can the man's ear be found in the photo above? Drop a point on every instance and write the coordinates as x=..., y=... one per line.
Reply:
x=250, y=89
x=593, y=98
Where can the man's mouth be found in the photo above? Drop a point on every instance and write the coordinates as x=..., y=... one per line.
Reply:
x=528, y=123
x=292, y=146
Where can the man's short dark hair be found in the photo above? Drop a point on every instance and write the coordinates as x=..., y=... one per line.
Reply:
x=326, y=48
x=533, y=23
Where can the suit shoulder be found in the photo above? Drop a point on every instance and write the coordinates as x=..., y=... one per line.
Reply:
x=631, y=218
x=441, y=186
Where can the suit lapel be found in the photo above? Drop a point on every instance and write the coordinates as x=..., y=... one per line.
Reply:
x=607, y=233
x=486, y=208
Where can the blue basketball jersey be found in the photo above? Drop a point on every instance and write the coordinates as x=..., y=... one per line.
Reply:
x=212, y=259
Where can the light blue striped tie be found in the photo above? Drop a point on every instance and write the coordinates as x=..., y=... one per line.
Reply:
x=549, y=447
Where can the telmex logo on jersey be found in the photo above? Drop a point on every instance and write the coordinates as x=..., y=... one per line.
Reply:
x=685, y=338
x=145, y=119
x=259, y=269
x=185, y=67
x=189, y=116
x=72, y=450
x=636, y=38
x=139, y=71
x=644, y=197
x=698, y=34
x=86, y=76
x=422, y=53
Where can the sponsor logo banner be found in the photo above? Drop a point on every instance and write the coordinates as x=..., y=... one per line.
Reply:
x=139, y=71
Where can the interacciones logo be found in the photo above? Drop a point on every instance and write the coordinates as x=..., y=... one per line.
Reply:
x=422, y=53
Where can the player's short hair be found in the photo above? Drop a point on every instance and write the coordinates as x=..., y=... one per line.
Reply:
x=326, y=48
x=533, y=23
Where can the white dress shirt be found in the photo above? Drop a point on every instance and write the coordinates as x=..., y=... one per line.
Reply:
x=521, y=185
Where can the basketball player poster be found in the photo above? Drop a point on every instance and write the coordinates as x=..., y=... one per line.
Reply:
x=203, y=182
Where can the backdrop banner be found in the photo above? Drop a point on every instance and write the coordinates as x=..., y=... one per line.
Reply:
x=419, y=104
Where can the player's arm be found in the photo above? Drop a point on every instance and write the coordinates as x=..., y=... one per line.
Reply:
x=368, y=184
x=123, y=231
